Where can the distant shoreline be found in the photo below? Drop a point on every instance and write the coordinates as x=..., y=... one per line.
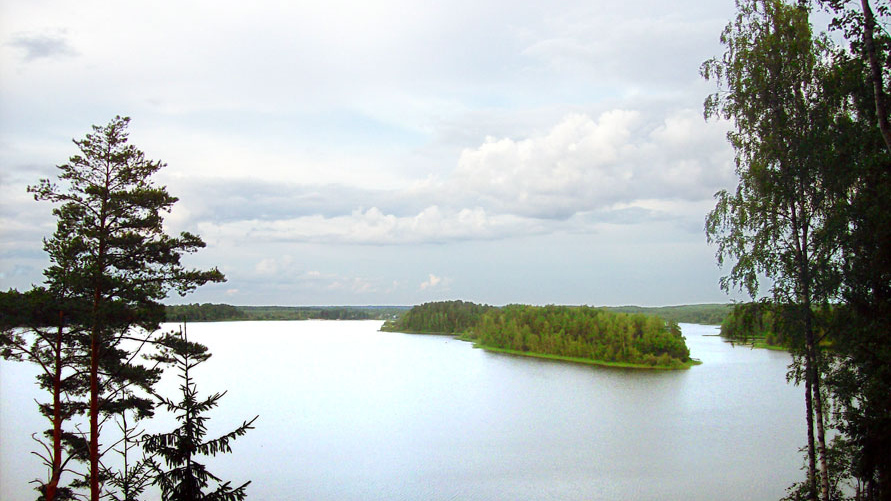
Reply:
x=702, y=314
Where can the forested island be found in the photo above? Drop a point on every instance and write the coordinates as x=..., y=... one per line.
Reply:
x=573, y=333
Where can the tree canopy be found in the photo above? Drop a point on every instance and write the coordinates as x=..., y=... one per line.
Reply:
x=810, y=128
x=111, y=265
x=570, y=332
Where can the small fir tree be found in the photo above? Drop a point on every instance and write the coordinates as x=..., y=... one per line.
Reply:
x=184, y=478
x=133, y=477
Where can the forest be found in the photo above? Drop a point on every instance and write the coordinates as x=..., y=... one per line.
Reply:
x=439, y=317
x=207, y=312
x=578, y=333
x=26, y=308
x=705, y=314
x=771, y=325
x=453, y=317
x=758, y=324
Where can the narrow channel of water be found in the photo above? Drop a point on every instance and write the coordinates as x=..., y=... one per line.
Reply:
x=350, y=413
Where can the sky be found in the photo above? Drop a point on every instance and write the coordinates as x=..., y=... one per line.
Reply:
x=389, y=152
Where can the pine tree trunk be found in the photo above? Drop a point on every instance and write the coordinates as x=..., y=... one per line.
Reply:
x=94, y=387
x=125, y=480
x=53, y=484
x=98, y=324
x=94, y=410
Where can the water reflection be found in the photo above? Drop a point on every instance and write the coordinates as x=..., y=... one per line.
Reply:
x=349, y=413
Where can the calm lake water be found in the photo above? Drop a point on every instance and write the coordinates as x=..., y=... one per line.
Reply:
x=350, y=413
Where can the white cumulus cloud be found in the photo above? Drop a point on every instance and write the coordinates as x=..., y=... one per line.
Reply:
x=373, y=226
x=505, y=187
x=584, y=164
x=431, y=282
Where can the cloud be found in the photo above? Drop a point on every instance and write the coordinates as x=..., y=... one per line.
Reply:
x=271, y=266
x=364, y=139
x=43, y=46
x=548, y=176
x=374, y=227
x=355, y=285
x=284, y=273
x=579, y=172
x=584, y=164
x=625, y=48
x=431, y=282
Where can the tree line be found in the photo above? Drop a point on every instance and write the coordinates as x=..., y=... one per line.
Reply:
x=758, y=324
x=93, y=331
x=208, y=312
x=584, y=332
x=578, y=332
x=810, y=124
x=704, y=314
x=438, y=317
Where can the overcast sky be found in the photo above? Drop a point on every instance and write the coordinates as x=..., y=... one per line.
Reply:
x=388, y=152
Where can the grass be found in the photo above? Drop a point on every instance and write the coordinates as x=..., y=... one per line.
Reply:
x=757, y=342
x=586, y=361
x=760, y=343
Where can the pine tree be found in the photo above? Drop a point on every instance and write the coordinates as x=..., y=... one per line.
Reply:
x=184, y=478
x=110, y=251
x=39, y=327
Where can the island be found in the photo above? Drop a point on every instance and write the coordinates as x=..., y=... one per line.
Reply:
x=579, y=334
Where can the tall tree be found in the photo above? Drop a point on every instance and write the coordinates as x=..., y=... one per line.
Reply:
x=38, y=327
x=184, y=478
x=861, y=380
x=110, y=249
x=780, y=221
x=876, y=71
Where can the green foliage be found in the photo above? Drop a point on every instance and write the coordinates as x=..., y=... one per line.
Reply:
x=319, y=312
x=775, y=84
x=754, y=323
x=183, y=478
x=861, y=379
x=443, y=317
x=129, y=482
x=223, y=312
x=206, y=312
x=778, y=221
x=703, y=314
x=561, y=332
x=110, y=237
x=583, y=332
x=111, y=257
x=41, y=328
x=811, y=213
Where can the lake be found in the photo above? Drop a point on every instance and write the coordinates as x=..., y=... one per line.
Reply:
x=350, y=413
